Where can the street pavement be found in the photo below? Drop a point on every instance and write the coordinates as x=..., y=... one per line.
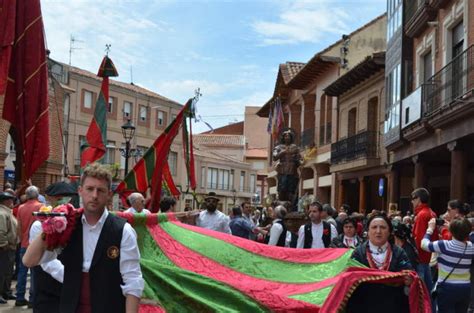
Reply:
x=10, y=306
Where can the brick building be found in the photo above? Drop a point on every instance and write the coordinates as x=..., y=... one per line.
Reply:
x=429, y=75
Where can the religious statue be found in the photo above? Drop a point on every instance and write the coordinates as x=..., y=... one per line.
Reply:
x=288, y=160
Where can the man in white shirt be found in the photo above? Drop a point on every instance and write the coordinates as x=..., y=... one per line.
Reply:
x=317, y=233
x=101, y=260
x=211, y=218
x=137, y=202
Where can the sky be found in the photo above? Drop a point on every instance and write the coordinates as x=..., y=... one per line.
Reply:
x=230, y=49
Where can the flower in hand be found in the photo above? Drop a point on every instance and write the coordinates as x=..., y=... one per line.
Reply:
x=58, y=229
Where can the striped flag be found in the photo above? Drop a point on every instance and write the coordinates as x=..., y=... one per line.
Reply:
x=152, y=170
x=192, y=269
x=279, y=119
x=96, y=137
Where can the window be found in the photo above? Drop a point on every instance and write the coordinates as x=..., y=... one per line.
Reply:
x=393, y=99
x=258, y=165
x=203, y=177
x=173, y=162
x=351, y=122
x=224, y=179
x=394, y=15
x=242, y=181
x=252, y=183
x=87, y=99
x=160, y=118
x=212, y=178
x=427, y=67
x=143, y=113
x=81, y=143
x=127, y=109
x=231, y=179
x=110, y=108
x=109, y=157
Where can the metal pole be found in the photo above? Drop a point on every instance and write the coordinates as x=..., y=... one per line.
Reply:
x=127, y=151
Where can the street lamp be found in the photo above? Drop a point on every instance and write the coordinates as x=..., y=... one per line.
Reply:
x=234, y=193
x=128, y=131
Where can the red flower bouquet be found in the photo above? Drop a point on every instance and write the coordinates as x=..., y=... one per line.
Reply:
x=57, y=230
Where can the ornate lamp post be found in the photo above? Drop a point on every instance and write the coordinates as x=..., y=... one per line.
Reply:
x=234, y=193
x=128, y=131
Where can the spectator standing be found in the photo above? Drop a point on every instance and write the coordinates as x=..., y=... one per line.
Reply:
x=317, y=233
x=278, y=230
x=239, y=225
x=246, y=210
x=326, y=214
x=8, y=241
x=25, y=219
x=455, y=209
x=167, y=204
x=454, y=262
x=348, y=238
x=419, y=199
x=137, y=202
x=211, y=218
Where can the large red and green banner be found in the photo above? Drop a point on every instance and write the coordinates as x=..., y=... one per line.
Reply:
x=24, y=80
x=152, y=169
x=96, y=138
x=191, y=269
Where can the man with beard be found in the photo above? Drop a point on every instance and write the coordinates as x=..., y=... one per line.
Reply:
x=211, y=218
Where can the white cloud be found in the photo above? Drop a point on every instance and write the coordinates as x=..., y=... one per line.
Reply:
x=94, y=24
x=304, y=22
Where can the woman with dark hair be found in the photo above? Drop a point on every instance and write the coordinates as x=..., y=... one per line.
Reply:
x=454, y=261
x=455, y=209
x=379, y=253
x=348, y=238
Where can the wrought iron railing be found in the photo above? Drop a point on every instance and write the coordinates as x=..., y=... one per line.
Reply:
x=307, y=137
x=321, y=135
x=361, y=145
x=449, y=84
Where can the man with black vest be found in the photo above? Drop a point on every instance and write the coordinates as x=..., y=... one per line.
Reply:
x=317, y=233
x=101, y=260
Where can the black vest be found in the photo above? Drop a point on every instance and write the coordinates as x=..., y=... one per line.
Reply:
x=104, y=273
x=282, y=239
x=308, y=236
x=47, y=292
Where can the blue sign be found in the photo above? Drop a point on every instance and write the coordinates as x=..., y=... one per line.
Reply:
x=9, y=175
x=381, y=187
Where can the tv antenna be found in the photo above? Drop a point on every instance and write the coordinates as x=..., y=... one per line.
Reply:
x=72, y=41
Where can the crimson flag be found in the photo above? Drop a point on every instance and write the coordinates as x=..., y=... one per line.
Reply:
x=24, y=79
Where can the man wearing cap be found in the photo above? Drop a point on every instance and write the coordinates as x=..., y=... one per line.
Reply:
x=49, y=276
x=25, y=219
x=211, y=218
x=8, y=240
x=137, y=202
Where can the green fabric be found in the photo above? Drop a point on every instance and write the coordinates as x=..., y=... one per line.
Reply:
x=179, y=290
x=315, y=297
x=254, y=265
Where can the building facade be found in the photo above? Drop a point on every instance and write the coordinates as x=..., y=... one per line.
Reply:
x=429, y=79
x=313, y=113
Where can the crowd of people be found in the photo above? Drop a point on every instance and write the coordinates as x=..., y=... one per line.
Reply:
x=440, y=250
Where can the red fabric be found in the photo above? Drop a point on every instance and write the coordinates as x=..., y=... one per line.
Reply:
x=148, y=308
x=423, y=215
x=26, y=104
x=84, y=305
x=169, y=180
x=162, y=148
x=7, y=37
x=192, y=171
x=56, y=240
x=278, y=253
x=274, y=295
x=26, y=218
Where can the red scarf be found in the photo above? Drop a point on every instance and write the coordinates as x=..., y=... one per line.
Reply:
x=386, y=262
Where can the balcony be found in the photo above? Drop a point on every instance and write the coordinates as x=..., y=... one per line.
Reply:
x=452, y=83
x=362, y=145
x=307, y=138
x=417, y=14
